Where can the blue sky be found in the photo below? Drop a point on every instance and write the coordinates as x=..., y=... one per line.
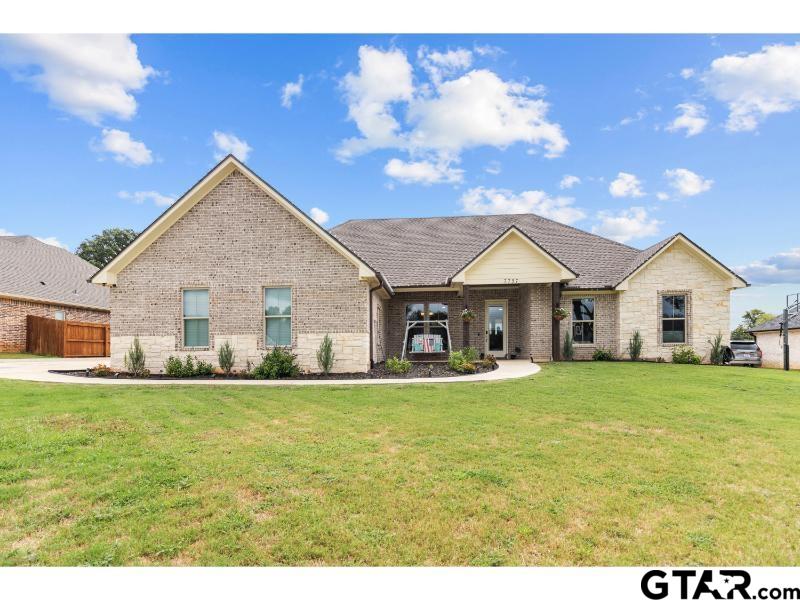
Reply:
x=659, y=134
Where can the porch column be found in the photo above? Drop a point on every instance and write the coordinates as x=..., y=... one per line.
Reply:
x=465, y=324
x=556, y=287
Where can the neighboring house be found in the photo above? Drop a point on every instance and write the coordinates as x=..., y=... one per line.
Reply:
x=46, y=281
x=769, y=339
x=233, y=260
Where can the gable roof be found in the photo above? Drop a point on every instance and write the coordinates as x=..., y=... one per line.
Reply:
x=33, y=270
x=775, y=324
x=107, y=275
x=429, y=251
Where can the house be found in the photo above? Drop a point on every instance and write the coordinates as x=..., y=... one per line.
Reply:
x=46, y=281
x=234, y=260
x=769, y=339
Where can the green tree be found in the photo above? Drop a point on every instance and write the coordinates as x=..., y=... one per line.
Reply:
x=755, y=317
x=100, y=249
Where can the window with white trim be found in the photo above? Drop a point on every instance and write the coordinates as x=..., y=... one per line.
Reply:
x=673, y=319
x=278, y=316
x=583, y=320
x=195, y=318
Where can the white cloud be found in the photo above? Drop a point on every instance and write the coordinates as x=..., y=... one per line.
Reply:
x=662, y=196
x=123, y=148
x=783, y=267
x=140, y=197
x=446, y=116
x=693, y=119
x=569, y=181
x=626, y=225
x=227, y=143
x=489, y=50
x=493, y=168
x=443, y=64
x=424, y=172
x=490, y=201
x=640, y=114
x=383, y=78
x=687, y=73
x=319, y=215
x=290, y=91
x=756, y=85
x=90, y=76
x=4, y=232
x=687, y=183
x=626, y=185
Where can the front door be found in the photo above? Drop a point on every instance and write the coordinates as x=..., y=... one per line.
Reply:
x=496, y=338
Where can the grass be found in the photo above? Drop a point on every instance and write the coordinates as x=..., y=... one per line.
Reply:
x=16, y=355
x=583, y=464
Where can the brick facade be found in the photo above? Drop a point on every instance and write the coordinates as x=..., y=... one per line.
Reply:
x=13, y=322
x=235, y=242
x=606, y=323
x=529, y=318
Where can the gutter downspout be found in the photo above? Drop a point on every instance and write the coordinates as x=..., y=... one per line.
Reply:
x=371, y=334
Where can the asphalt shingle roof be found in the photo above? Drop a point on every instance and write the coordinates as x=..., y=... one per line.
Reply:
x=775, y=324
x=428, y=251
x=32, y=269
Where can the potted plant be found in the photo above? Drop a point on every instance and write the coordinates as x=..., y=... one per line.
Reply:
x=467, y=315
x=560, y=313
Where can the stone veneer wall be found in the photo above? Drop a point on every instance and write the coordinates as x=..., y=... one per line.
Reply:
x=236, y=241
x=677, y=270
x=13, y=319
x=379, y=317
x=606, y=323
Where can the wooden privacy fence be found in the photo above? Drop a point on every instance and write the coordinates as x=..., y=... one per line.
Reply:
x=70, y=339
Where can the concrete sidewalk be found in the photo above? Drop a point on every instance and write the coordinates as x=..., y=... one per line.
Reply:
x=38, y=370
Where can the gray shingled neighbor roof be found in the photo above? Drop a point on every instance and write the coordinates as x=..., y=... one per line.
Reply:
x=32, y=269
x=775, y=324
x=428, y=251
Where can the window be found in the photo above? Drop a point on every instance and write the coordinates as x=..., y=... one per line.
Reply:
x=427, y=311
x=583, y=320
x=60, y=315
x=195, y=318
x=278, y=312
x=673, y=319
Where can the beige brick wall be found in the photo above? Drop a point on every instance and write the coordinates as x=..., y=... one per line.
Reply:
x=236, y=241
x=677, y=270
x=536, y=321
x=771, y=345
x=606, y=324
x=13, y=319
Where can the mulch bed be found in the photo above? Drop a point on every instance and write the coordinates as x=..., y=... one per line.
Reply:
x=380, y=371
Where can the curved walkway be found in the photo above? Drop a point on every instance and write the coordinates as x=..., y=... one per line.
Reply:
x=39, y=370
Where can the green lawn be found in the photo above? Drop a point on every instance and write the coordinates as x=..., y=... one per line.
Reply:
x=13, y=355
x=585, y=463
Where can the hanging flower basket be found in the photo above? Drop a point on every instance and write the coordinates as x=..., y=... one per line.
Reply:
x=467, y=315
x=559, y=314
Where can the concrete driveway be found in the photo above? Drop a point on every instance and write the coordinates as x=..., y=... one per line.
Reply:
x=38, y=370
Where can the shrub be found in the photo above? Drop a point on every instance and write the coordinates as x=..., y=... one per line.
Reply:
x=717, y=356
x=325, y=354
x=457, y=361
x=188, y=369
x=134, y=360
x=226, y=357
x=468, y=368
x=102, y=370
x=490, y=362
x=173, y=366
x=277, y=364
x=685, y=355
x=635, y=345
x=204, y=369
x=569, y=347
x=470, y=354
x=602, y=354
x=398, y=365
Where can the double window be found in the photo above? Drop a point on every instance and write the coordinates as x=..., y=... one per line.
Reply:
x=673, y=319
x=195, y=318
x=278, y=316
x=583, y=320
